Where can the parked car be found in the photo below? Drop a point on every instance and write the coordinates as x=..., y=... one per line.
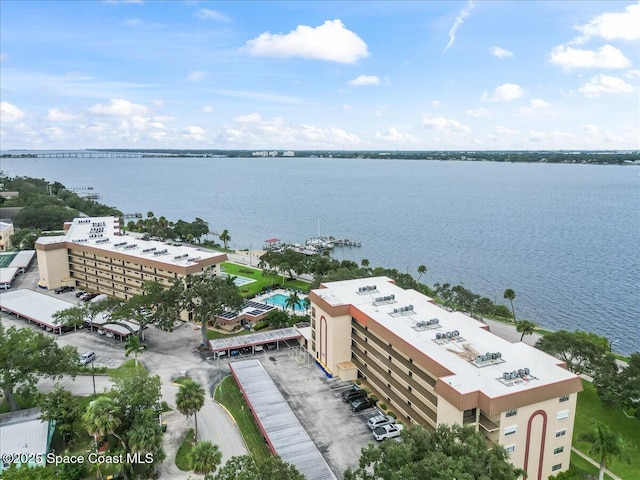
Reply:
x=271, y=346
x=362, y=404
x=63, y=289
x=87, y=357
x=379, y=421
x=353, y=394
x=79, y=293
x=235, y=353
x=387, y=431
x=258, y=349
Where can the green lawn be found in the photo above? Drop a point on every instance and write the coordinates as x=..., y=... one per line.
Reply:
x=590, y=408
x=261, y=281
x=214, y=334
x=580, y=467
x=183, y=456
x=228, y=394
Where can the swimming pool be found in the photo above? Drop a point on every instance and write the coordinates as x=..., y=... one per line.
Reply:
x=238, y=280
x=281, y=300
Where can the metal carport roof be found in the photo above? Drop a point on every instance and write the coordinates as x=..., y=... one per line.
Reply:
x=280, y=426
x=253, y=339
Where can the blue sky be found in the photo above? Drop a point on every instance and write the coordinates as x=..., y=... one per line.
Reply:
x=348, y=75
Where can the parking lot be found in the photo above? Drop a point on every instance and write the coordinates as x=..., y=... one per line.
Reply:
x=316, y=400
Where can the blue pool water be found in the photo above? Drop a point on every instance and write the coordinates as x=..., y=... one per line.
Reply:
x=280, y=300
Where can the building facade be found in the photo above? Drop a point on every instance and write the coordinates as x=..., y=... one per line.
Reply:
x=94, y=256
x=6, y=232
x=432, y=366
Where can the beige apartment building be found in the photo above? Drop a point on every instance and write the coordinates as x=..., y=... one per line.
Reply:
x=94, y=256
x=6, y=232
x=432, y=366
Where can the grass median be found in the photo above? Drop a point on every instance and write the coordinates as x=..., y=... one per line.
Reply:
x=228, y=394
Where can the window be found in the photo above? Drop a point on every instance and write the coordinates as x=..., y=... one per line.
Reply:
x=556, y=467
x=510, y=448
x=561, y=433
x=564, y=398
x=558, y=450
x=563, y=415
x=313, y=312
x=512, y=413
x=510, y=430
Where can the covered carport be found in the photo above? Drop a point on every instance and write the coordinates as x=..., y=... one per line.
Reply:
x=253, y=340
x=280, y=427
x=122, y=329
x=35, y=307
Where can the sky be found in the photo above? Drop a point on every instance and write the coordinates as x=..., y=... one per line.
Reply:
x=304, y=75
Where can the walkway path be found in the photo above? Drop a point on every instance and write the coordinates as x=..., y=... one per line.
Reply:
x=594, y=463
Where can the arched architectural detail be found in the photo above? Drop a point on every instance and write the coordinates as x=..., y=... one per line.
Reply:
x=323, y=340
x=542, y=441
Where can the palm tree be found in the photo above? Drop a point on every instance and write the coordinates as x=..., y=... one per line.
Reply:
x=526, y=327
x=292, y=301
x=135, y=346
x=189, y=400
x=606, y=446
x=101, y=418
x=421, y=271
x=510, y=295
x=364, y=262
x=205, y=457
x=224, y=236
x=306, y=303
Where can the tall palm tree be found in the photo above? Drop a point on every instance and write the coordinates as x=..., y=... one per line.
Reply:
x=225, y=237
x=205, y=457
x=365, y=263
x=510, y=294
x=526, y=327
x=189, y=400
x=135, y=346
x=101, y=418
x=421, y=271
x=292, y=301
x=606, y=446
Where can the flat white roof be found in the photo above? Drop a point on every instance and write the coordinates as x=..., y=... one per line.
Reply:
x=7, y=274
x=23, y=432
x=456, y=355
x=103, y=233
x=23, y=259
x=103, y=322
x=34, y=306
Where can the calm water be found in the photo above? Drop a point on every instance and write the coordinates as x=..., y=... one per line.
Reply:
x=564, y=237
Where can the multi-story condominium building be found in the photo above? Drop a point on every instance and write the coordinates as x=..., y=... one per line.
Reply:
x=94, y=256
x=433, y=366
x=6, y=232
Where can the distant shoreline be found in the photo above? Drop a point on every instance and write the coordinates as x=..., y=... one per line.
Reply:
x=587, y=157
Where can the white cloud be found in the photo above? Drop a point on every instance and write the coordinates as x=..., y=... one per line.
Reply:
x=504, y=93
x=54, y=133
x=464, y=13
x=569, y=58
x=119, y=108
x=193, y=133
x=500, y=52
x=207, y=109
x=635, y=73
x=478, y=112
x=505, y=131
x=590, y=130
x=539, y=103
x=393, y=135
x=599, y=84
x=613, y=25
x=364, y=80
x=347, y=107
x=158, y=103
x=331, y=41
x=10, y=113
x=436, y=103
x=445, y=125
x=251, y=118
x=197, y=76
x=208, y=14
x=55, y=115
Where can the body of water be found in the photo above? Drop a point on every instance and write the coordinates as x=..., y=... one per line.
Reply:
x=564, y=237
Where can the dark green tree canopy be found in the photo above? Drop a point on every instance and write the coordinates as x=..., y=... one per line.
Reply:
x=620, y=387
x=449, y=452
x=247, y=468
x=582, y=351
x=26, y=355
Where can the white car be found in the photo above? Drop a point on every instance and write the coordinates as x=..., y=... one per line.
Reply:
x=387, y=431
x=379, y=421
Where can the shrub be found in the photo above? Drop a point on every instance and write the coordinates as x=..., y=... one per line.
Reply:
x=383, y=406
x=358, y=382
x=374, y=398
x=391, y=414
x=260, y=325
